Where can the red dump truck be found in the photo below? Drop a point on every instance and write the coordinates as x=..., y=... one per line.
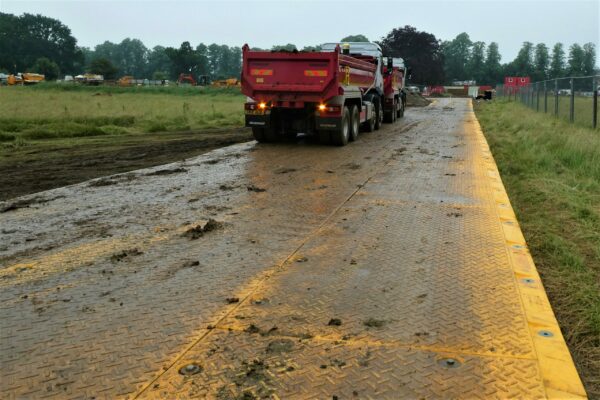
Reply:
x=332, y=93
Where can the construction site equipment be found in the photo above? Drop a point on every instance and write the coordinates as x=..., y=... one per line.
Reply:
x=126, y=80
x=331, y=93
x=186, y=79
x=203, y=80
x=230, y=82
x=25, y=78
x=90, y=79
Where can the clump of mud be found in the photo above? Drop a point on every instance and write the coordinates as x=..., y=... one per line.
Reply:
x=167, y=171
x=199, y=230
x=280, y=346
x=24, y=203
x=112, y=180
x=256, y=189
x=120, y=256
x=374, y=323
x=352, y=166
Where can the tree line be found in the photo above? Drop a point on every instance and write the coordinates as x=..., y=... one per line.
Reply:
x=468, y=60
x=34, y=43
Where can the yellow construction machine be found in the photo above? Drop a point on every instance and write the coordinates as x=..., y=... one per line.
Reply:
x=25, y=78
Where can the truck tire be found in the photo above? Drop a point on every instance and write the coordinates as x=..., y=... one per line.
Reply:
x=354, y=123
x=400, y=113
x=378, y=113
x=340, y=137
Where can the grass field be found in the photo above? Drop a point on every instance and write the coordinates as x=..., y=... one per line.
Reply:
x=551, y=170
x=583, y=108
x=60, y=111
x=54, y=135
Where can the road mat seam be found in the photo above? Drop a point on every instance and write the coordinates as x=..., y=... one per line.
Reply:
x=278, y=267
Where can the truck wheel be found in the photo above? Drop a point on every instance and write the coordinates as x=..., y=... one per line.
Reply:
x=395, y=111
x=378, y=113
x=341, y=136
x=400, y=113
x=355, y=123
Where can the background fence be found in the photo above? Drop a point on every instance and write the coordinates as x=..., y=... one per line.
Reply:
x=574, y=98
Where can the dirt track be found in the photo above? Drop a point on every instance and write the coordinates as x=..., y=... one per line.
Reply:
x=380, y=269
x=47, y=166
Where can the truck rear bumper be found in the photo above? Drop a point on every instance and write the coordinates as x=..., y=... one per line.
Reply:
x=262, y=121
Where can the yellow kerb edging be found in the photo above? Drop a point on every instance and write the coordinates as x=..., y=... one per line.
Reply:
x=558, y=371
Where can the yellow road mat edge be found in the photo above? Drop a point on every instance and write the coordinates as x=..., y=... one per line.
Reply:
x=558, y=371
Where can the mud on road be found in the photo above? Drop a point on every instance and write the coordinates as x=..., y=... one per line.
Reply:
x=44, y=165
x=291, y=269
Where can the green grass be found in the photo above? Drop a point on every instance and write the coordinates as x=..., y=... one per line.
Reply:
x=584, y=107
x=51, y=111
x=551, y=170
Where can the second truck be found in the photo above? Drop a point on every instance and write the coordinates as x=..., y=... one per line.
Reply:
x=332, y=94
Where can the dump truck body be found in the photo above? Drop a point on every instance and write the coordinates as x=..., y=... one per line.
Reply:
x=326, y=93
x=393, y=88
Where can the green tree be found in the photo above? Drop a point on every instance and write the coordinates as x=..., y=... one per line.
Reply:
x=457, y=55
x=476, y=66
x=183, y=60
x=420, y=50
x=589, y=59
x=26, y=38
x=157, y=61
x=130, y=56
x=214, y=59
x=46, y=67
x=557, y=63
x=576, y=60
x=312, y=48
x=202, y=54
x=235, y=66
x=104, y=67
x=523, y=63
x=284, y=47
x=355, y=38
x=541, y=62
x=159, y=75
x=133, y=57
x=493, y=68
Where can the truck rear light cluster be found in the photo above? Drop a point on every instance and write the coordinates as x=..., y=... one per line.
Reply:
x=325, y=109
x=255, y=106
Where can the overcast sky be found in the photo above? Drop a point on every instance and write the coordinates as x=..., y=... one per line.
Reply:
x=264, y=23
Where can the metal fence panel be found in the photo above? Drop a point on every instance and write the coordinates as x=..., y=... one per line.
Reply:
x=574, y=99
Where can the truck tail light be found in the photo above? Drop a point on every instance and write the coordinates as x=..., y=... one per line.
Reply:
x=256, y=106
x=324, y=109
